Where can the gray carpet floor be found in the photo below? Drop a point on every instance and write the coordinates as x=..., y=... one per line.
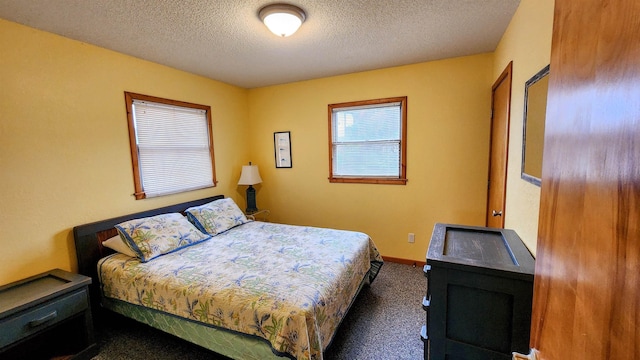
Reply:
x=383, y=323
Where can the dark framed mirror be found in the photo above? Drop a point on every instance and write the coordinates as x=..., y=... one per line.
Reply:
x=535, y=110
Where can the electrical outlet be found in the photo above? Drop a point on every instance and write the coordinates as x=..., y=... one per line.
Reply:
x=412, y=237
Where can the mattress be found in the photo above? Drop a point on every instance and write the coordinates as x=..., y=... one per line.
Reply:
x=289, y=285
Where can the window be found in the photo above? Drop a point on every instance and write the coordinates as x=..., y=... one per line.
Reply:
x=368, y=141
x=171, y=145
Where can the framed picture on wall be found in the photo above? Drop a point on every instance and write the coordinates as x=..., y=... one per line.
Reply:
x=282, y=147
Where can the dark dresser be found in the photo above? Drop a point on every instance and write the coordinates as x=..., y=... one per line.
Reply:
x=479, y=294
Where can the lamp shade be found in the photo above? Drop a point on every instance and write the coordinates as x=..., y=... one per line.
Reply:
x=250, y=175
x=282, y=19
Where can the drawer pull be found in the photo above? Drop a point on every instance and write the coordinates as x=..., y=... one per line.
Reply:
x=426, y=269
x=423, y=333
x=44, y=319
x=425, y=303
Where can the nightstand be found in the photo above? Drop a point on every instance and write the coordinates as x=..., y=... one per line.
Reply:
x=47, y=316
x=260, y=215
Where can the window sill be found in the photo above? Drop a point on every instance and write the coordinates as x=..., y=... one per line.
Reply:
x=355, y=180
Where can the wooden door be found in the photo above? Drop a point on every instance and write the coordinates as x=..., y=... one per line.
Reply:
x=500, y=110
x=587, y=284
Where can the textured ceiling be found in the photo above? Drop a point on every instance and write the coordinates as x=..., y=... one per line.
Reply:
x=225, y=40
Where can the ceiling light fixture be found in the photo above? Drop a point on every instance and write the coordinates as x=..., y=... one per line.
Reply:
x=282, y=19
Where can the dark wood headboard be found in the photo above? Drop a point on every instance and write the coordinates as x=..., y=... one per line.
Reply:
x=89, y=237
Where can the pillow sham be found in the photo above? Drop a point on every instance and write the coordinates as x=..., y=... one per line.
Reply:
x=157, y=235
x=217, y=216
x=116, y=243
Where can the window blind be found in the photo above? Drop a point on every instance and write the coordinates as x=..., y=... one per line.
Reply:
x=173, y=148
x=366, y=141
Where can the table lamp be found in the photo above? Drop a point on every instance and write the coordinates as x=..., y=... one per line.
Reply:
x=250, y=176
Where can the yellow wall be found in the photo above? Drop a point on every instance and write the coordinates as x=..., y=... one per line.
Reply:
x=527, y=42
x=64, y=157
x=448, y=142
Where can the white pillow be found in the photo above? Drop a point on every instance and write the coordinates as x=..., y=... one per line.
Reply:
x=116, y=243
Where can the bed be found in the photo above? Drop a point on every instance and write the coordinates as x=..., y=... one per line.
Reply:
x=250, y=290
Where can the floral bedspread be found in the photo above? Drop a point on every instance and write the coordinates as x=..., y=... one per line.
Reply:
x=290, y=285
